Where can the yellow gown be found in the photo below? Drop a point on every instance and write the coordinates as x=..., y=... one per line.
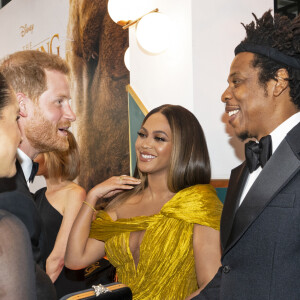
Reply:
x=166, y=268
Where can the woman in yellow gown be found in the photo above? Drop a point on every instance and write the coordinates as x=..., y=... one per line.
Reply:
x=162, y=235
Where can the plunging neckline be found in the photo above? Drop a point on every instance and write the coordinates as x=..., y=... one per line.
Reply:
x=164, y=270
x=143, y=218
x=135, y=265
x=127, y=237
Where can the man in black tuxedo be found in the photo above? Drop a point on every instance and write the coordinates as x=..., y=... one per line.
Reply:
x=41, y=85
x=260, y=224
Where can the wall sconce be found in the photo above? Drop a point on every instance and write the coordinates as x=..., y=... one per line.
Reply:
x=153, y=29
x=153, y=32
x=127, y=59
x=123, y=12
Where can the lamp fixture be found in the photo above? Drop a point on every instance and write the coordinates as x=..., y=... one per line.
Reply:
x=127, y=58
x=153, y=32
x=123, y=12
x=153, y=29
x=130, y=23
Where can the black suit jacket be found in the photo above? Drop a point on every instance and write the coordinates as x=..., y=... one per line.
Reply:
x=16, y=198
x=261, y=238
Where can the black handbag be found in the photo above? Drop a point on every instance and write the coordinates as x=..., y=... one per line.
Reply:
x=111, y=291
x=102, y=271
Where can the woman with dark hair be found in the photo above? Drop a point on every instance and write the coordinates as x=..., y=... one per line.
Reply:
x=9, y=131
x=58, y=205
x=162, y=235
x=17, y=276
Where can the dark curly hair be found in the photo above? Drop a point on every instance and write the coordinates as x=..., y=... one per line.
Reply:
x=283, y=34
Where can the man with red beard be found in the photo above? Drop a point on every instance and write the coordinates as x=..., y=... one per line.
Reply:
x=40, y=81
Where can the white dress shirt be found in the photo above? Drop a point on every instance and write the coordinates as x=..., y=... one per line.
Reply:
x=26, y=164
x=278, y=134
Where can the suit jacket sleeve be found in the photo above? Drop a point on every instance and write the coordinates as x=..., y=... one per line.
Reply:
x=24, y=208
x=212, y=290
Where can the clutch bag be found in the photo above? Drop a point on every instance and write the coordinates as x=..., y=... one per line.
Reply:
x=111, y=291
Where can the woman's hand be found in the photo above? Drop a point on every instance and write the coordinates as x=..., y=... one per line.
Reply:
x=112, y=186
x=82, y=250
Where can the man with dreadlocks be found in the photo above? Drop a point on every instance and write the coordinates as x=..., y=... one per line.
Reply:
x=260, y=225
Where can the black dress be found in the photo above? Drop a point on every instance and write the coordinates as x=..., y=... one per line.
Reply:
x=69, y=280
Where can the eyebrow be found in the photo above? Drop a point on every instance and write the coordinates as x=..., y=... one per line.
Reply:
x=156, y=131
x=63, y=96
x=233, y=74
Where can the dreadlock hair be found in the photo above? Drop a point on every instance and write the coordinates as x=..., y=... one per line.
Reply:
x=283, y=34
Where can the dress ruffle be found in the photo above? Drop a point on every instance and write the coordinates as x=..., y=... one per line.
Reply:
x=166, y=268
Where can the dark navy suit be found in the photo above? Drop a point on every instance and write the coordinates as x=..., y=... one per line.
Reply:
x=261, y=237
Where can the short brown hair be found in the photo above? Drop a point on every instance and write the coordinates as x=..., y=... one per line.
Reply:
x=64, y=164
x=25, y=71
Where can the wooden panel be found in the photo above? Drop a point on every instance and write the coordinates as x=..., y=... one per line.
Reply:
x=219, y=183
x=136, y=115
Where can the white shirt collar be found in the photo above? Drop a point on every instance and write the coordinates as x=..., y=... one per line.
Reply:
x=25, y=162
x=279, y=133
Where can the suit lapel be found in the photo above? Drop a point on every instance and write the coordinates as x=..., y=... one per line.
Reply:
x=237, y=181
x=278, y=171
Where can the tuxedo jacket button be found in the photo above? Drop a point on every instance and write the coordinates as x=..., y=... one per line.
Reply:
x=226, y=269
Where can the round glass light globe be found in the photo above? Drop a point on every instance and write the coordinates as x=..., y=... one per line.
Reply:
x=127, y=59
x=118, y=10
x=125, y=10
x=153, y=32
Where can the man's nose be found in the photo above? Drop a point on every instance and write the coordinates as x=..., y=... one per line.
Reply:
x=226, y=95
x=69, y=114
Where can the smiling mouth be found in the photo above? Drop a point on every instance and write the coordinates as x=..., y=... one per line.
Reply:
x=233, y=112
x=147, y=156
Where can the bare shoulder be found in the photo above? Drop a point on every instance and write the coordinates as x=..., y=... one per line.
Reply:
x=113, y=214
x=74, y=193
x=75, y=188
x=120, y=211
x=129, y=208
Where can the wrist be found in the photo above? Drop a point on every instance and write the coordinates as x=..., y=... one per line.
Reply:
x=90, y=206
x=93, y=196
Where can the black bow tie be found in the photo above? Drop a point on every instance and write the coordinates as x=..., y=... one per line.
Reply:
x=35, y=167
x=257, y=154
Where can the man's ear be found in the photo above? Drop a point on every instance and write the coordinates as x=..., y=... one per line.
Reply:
x=282, y=83
x=22, y=100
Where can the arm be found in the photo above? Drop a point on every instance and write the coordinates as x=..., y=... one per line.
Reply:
x=82, y=250
x=73, y=200
x=17, y=275
x=207, y=254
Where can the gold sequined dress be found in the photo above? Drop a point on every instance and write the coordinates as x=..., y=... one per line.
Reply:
x=166, y=268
